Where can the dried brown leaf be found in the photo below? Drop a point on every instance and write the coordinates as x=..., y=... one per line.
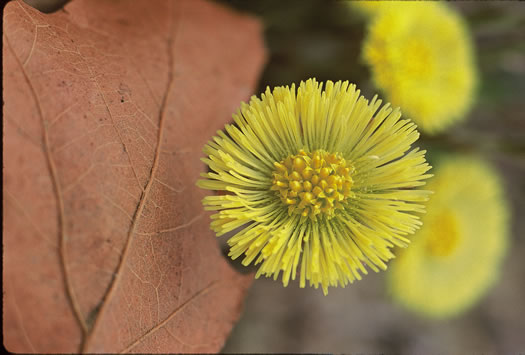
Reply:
x=107, y=106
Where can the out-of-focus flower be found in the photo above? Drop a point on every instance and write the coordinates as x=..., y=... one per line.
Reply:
x=456, y=255
x=317, y=180
x=420, y=54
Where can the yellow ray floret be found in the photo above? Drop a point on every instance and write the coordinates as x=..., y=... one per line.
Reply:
x=421, y=56
x=456, y=255
x=319, y=183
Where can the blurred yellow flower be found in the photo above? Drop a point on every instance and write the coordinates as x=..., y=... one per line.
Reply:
x=456, y=255
x=421, y=56
x=318, y=179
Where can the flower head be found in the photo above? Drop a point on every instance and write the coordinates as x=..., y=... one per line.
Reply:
x=455, y=256
x=420, y=55
x=317, y=180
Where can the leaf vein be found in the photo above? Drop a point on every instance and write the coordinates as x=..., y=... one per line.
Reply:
x=145, y=194
x=58, y=194
x=170, y=317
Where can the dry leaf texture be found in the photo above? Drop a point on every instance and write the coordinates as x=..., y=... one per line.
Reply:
x=107, y=106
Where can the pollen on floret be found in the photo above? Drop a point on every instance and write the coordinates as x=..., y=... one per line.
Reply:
x=313, y=183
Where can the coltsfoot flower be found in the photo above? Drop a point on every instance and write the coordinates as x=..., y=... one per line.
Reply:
x=317, y=181
x=456, y=255
x=420, y=54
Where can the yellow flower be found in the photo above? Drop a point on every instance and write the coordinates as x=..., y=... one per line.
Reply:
x=317, y=181
x=421, y=56
x=455, y=256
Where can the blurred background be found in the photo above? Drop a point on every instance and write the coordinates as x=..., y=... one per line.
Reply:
x=322, y=39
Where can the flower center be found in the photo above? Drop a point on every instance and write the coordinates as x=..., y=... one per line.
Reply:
x=422, y=64
x=313, y=183
x=444, y=237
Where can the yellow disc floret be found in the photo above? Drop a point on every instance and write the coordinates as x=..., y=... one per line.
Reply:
x=445, y=238
x=313, y=183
